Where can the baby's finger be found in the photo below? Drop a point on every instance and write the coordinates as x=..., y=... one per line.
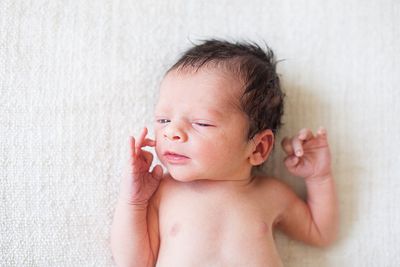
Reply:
x=305, y=134
x=291, y=161
x=132, y=143
x=149, y=142
x=135, y=151
x=286, y=144
x=297, y=146
x=322, y=132
x=157, y=172
x=142, y=162
x=148, y=157
x=141, y=138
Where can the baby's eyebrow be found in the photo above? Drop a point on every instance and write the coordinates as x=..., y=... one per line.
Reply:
x=215, y=112
x=199, y=112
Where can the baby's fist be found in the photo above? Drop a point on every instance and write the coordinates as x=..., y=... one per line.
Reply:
x=139, y=184
x=308, y=156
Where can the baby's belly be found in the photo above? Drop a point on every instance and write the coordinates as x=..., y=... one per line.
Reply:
x=217, y=240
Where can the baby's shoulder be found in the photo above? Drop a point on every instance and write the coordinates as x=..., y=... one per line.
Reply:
x=273, y=187
x=165, y=184
x=276, y=195
x=269, y=182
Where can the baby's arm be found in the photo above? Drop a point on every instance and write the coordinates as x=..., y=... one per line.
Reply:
x=314, y=222
x=134, y=232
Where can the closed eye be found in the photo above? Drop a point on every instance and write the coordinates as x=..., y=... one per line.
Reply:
x=204, y=124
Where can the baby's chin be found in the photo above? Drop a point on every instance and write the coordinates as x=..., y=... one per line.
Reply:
x=183, y=175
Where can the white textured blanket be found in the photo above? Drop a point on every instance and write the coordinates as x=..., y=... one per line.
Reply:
x=78, y=77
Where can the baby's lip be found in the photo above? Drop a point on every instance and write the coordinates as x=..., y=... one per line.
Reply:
x=171, y=153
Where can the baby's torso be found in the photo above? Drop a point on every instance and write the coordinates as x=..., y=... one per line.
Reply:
x=216, y=226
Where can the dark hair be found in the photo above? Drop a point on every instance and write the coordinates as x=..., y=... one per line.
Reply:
x=262, y=99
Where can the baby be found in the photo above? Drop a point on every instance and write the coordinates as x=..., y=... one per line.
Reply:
x=218, y=112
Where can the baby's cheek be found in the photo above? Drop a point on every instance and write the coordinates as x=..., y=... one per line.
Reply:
x=158, y=151
x=217, y=151
x=225, y=146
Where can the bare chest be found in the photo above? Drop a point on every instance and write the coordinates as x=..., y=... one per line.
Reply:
x=211, y=215
x=216, y=226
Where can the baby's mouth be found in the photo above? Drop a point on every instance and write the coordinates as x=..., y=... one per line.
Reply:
x=175, y=158
x=173, y=154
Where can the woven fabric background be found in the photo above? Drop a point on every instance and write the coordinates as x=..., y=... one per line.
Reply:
x=78, y=77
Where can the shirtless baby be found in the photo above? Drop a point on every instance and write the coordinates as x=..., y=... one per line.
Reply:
x=218, y=112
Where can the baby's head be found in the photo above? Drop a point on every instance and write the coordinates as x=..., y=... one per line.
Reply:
x=220, y=105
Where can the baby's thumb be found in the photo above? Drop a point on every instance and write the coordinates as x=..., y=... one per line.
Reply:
x=291, y=161
x=157, y=172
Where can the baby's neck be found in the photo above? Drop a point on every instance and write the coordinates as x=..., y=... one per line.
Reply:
x=200, y=185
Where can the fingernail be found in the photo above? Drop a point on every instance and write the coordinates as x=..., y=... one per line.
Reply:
x=298, y=152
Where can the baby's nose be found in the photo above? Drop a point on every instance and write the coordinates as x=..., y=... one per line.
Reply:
x=175, y=134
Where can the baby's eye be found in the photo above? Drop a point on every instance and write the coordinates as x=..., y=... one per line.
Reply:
x=163, y=121
x=203, y=124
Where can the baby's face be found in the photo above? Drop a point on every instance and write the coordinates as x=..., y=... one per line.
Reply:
x=196, y=118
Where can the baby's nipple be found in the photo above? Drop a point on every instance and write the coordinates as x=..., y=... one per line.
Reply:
x=174, y=230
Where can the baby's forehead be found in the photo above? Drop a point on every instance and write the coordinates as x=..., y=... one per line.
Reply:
x=215, y=84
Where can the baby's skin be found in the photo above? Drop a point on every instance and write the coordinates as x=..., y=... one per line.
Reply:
x=208, y=209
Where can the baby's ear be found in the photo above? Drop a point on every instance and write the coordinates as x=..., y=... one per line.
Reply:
x=262, y=147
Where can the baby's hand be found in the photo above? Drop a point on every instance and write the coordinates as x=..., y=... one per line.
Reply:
x=308, y=156
x=139, y=184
